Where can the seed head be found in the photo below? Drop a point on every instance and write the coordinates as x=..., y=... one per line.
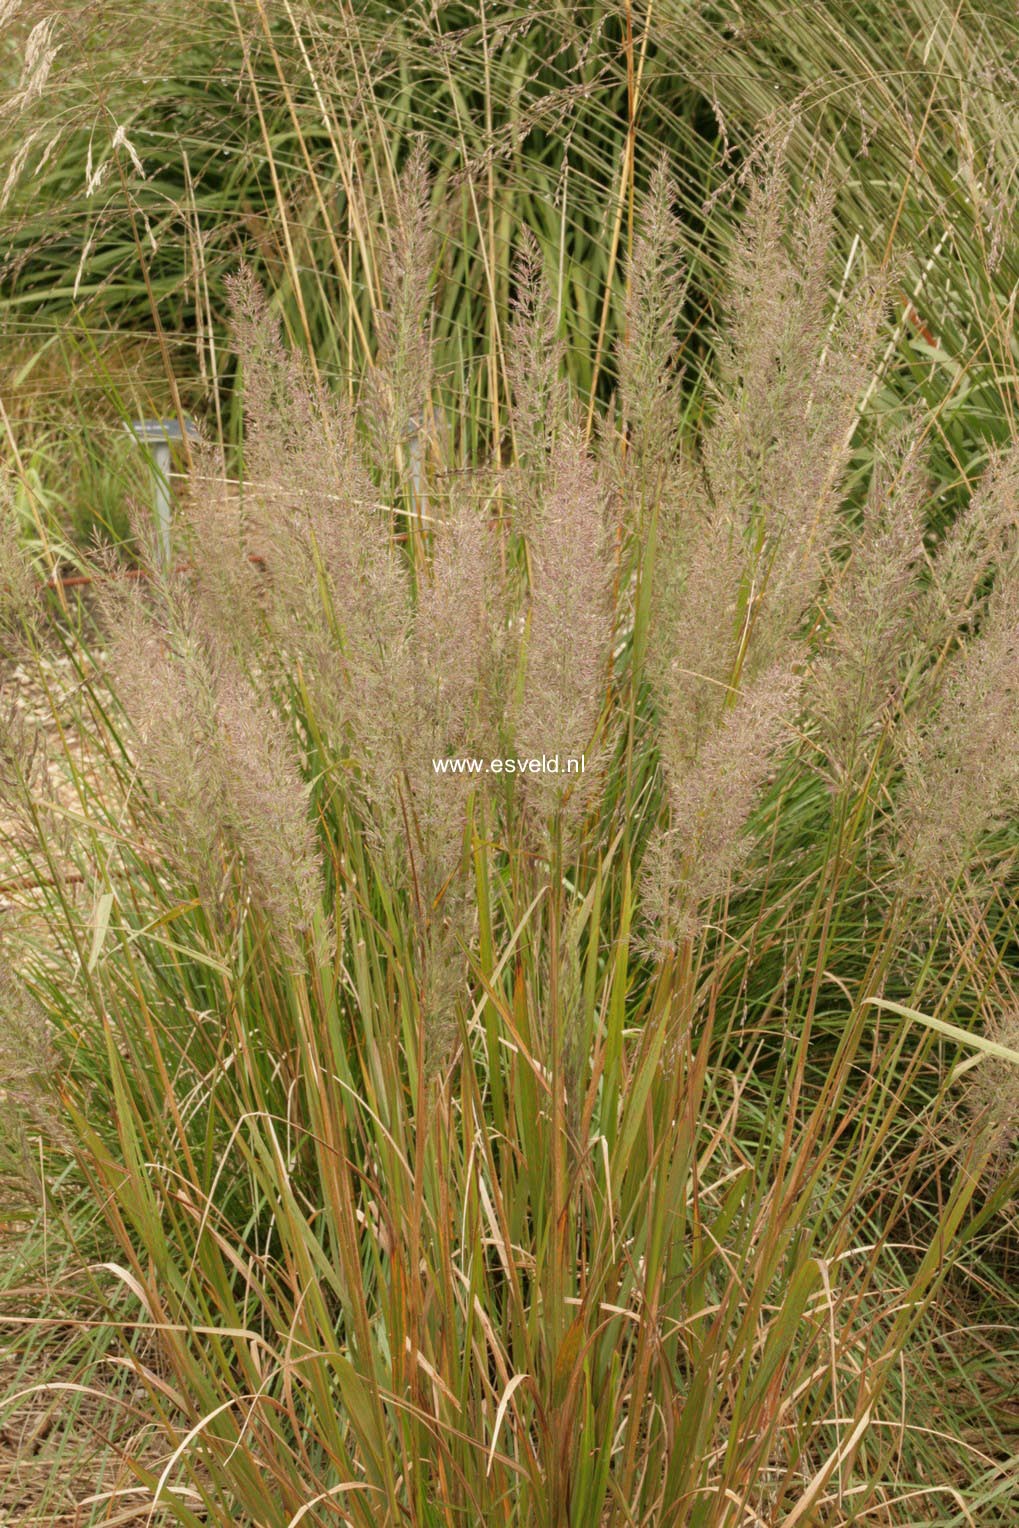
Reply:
x=961, y=765
x=569, y=629
x=710, y=799
x=870, y=636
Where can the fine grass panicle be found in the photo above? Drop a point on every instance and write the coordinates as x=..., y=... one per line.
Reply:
x=742, y=530
x=568, y=629
x=710, y=800
x=218, y=756
x=792, y=370
x=974, y=546
x=432, y=1142
x=991, y=1097
x=962, y=772
x=540, y=406
x=872, y=593
x=398, y=385
x=650, y=382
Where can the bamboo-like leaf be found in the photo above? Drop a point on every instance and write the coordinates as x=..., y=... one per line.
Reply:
x=101, y=926
x=950, y=1031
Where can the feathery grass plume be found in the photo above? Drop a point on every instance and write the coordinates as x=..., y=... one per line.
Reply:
x=791, y=371
x=218, y=757
x=870, y=635
x=742, y=533
x=398, y=387
x=307, y=494
x=458, y=608
x=230, y=587
x=710, y=798
x=977, y=541
x=166, y=694
x=393, y=681
x=40, y=50
x=539, y=397
x=334, y=596
x=266, y=802
x=991, y=1097
x=694, y=644
x=421, y=699
x=568, y=631
x=649, y=385
x=742, y=545
x=962, y=768
x=434, y=701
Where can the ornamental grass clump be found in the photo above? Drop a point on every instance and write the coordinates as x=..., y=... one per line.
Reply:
x=462, y=1143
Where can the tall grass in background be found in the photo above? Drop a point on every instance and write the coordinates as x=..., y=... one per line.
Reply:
x=537, y=1149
